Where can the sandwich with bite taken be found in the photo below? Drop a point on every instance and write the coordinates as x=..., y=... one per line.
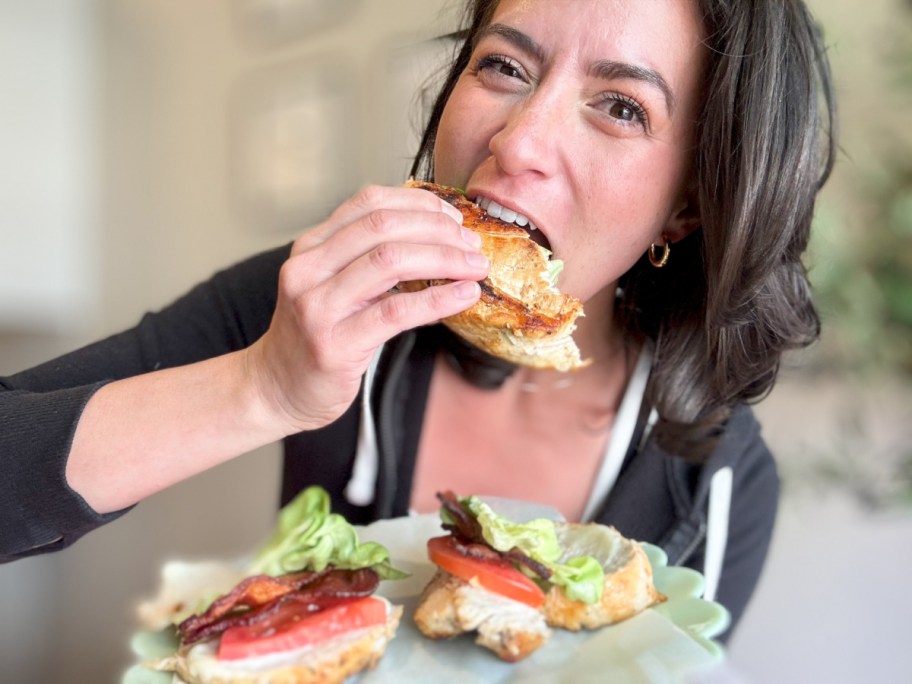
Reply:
x=521, y=316
x=513, y=583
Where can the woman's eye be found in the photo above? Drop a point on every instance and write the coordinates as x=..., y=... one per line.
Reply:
x=619, y=110
x=625, y=110
x=500, y=66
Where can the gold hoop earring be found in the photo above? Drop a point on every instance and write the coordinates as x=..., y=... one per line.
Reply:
x=656, y=260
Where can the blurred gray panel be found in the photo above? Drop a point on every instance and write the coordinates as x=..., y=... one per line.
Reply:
x=294, y=136
x=269, y=22
x=411, y=78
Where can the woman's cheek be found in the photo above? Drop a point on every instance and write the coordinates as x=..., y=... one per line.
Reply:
x=596, y=267
x=453, y=136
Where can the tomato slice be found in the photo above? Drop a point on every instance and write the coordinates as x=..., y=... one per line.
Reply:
x=293, y=627
x=501, y=578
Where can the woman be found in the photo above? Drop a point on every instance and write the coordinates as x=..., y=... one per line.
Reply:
x=669, y=153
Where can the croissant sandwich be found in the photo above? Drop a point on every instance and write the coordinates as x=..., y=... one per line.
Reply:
x=521, y=317
x=513, y=583
x=303, y=612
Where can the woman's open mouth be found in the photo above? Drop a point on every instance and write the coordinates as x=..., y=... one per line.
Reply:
x=510, y=216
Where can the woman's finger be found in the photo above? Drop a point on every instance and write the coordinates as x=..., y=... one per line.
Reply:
x=371, y=199
x=367, y=278
x=395, y=313
x=388, y=227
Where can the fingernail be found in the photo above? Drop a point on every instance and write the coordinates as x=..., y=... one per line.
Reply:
x=454, y=213
x=466, y=289
x=471, y=237
x=476, y=259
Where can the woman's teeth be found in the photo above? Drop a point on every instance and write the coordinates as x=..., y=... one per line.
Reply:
x=498, y=211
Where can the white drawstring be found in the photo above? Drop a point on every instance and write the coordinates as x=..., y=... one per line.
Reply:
x=720, y=494
x=363, y=483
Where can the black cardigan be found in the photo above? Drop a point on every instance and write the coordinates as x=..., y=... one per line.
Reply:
x=657, y=497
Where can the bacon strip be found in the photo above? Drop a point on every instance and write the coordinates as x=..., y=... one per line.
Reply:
x=466, y=527
x=256, y=598
x=479, y=551
x=518, y=556
x=251, y=592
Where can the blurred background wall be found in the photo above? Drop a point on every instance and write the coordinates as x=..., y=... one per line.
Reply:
x=143, y=145
x=146, y=143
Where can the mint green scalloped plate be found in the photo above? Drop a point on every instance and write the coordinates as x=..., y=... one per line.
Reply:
x=671, y=642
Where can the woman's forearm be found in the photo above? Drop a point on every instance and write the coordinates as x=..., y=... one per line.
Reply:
x=143, y=434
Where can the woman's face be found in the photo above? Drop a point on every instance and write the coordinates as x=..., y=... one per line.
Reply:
x=580, y=116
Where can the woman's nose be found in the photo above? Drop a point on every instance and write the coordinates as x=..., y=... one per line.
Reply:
x=529, y=141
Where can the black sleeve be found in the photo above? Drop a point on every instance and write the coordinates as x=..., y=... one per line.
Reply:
x=40, y=407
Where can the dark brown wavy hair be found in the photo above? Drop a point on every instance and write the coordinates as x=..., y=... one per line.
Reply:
x=735, y=294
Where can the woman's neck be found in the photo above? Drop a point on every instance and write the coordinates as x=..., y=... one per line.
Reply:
x=597, y=334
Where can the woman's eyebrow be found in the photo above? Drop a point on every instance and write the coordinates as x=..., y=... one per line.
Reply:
x=608, y=69
x=512, y=35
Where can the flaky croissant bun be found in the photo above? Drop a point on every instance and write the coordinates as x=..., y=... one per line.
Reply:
x=521, y=316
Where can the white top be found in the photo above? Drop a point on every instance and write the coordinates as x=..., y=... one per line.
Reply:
x=621, y=434
x=362, y=485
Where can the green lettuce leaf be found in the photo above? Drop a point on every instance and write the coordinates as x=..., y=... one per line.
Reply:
x=309, y=537
x=555, y=266
x=582, y=577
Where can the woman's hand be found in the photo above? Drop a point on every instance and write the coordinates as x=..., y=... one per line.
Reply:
x=141, y=434
x=335, y=306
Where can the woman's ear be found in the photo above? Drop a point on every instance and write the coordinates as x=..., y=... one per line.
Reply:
x=685, y=219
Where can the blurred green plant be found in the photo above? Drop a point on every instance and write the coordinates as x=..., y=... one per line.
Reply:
x=863, y=282
x=860, y=265
x=862, y=275
x=861, y=250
